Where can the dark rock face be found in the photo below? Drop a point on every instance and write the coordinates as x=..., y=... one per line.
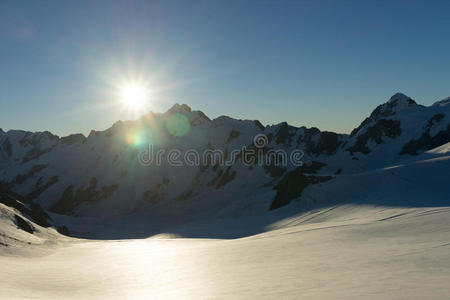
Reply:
x=70, y=198
x=382, y=128
x=35, y=153
x=258, y=124
x=66, y=204
x=283, y=135
x=227, y=177
x=294, y=182
x=385, y=110
x=307, y=136
x=326, y=143
x=426, y=141
x=192, y=190
x=21, y=178
x=361, y=126
x=7, y=147
x=34, y=211
x=33, y=139
x=72, y=139
x=63, y=230
x=274, y=170
x=216, y=178
x=311, y=167
x=186, y=107
x=40, y=187
x=434, y=120
x=233, y=135
x=158, y=193
x=38, y=215
x=222, y=178
x=201, y=116
x=24, y=225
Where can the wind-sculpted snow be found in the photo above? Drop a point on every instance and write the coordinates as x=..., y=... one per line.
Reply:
x=339, y=252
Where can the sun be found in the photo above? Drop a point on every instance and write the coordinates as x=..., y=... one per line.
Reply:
x=134, y=96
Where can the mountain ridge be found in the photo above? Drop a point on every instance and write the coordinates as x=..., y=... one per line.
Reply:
x=100, y=176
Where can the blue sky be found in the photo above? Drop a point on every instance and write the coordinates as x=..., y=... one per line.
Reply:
x=315, y=63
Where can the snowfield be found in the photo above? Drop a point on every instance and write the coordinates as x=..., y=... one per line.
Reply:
x=340, y=252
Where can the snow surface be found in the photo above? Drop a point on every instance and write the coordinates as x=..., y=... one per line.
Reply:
x=340, y=252
x=443, y=149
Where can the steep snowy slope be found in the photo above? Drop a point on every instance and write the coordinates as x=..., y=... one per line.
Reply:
x=23, y=225
x=401, y=126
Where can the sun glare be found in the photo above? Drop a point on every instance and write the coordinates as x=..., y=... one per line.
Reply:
x=134, y=96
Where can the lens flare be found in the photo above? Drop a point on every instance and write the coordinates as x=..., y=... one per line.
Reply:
x=138, y=138
x=178, y=125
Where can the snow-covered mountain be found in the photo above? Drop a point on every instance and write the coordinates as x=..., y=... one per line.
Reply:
x=100, y=178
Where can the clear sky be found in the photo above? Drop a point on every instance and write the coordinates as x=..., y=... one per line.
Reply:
x=315, y=63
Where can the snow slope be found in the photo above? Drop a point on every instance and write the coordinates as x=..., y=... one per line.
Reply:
x=343, y=252
x=23, y=226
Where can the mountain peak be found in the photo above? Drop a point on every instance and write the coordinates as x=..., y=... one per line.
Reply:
x=396, y=103
x=399, y=97
x=179, y=108
x=195, y=117
x=400, y=100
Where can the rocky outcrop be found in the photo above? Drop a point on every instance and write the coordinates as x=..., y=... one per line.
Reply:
x=384, y=128
x=72, y=198
x=294, y=182
x=72, y=139
x=426, y=141
x=34, y=211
